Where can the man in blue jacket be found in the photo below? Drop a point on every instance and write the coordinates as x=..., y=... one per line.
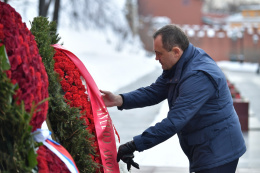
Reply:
x=201, y=108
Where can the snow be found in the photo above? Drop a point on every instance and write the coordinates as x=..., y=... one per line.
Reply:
x=237, y=66
x=112, y=69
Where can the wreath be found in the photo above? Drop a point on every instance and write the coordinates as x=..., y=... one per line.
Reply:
x=25, y=92
x=27, y=69
x=33, y=77
x=68, y=128
x=76, y=95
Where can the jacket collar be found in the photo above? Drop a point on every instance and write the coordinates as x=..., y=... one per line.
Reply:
x=173, y=75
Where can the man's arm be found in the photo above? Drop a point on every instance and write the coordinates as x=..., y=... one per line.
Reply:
x=147, y=96
x=141, y=97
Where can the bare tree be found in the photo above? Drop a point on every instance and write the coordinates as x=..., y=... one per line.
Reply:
x=44, y=7
x=56, y=11
x=95, y=14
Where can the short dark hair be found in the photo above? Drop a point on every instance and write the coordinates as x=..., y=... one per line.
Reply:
x=172, y=36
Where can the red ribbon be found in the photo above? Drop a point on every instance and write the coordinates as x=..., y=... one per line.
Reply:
x=102, y=120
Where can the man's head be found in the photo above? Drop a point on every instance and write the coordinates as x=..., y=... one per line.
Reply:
x=169, y=43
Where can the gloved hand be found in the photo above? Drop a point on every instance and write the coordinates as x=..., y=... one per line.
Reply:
x=126, y=154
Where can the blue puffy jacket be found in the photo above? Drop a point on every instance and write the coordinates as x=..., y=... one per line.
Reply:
x=201, y=111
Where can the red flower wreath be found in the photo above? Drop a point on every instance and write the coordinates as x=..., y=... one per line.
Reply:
x=27, y=69
x=75, y=94
x=29, y=72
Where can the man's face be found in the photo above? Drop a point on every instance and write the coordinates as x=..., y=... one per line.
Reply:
x=167, y=58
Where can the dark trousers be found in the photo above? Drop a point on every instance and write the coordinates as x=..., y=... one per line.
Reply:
x=227, y=168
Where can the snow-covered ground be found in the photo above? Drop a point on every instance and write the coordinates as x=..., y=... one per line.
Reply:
x=237, y=66
x=112, y=69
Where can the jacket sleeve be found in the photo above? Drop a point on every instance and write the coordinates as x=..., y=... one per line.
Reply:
x=193, y=93
x=151, y=95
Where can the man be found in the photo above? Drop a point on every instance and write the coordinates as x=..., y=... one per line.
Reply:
x=201, y=108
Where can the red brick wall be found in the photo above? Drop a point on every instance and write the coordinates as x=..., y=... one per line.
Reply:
x=184, y=12
x=216, y=47
x=179, y=11
x=221, y=48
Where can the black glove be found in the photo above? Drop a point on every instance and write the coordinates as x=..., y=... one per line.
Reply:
x=126, y=154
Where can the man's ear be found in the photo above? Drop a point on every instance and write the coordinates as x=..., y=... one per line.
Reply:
x=177, y=51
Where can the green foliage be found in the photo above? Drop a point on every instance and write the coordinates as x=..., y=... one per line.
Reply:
x=16, y=143
x=45, y=35
x=5, y=65
x=65, y=121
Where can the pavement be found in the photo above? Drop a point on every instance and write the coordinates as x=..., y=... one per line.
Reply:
x=248, y=84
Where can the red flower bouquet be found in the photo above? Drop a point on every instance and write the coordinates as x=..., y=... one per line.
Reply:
x=76, y=94
x=27, y=69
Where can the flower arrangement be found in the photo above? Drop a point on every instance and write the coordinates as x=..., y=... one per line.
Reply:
x=105, y=130
x=234, y=92
x=67, y=126
x=76, y=96
x=23, y=93
x=24, y=96
x=27, y=69
x=33, y=79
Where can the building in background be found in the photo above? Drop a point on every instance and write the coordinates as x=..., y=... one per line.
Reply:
x=245, y=27
x=178, y=11
x=154, y=14
x=214, y=31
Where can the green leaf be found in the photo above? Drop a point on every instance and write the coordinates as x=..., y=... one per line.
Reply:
x=32, y=158
x=4, y=61
x=15, y=87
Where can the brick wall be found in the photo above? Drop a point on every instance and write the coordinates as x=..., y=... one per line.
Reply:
x=220, y=44
x=227, y=44
x=179, y=11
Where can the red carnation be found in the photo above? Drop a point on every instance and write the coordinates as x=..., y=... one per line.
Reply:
x=60, y=72
x=68, y=96
x=78, y=82
x=1, y=31
x=74, y=89
x=76, y=74
x=69, y=79
x=77, y=103
x=69, y=67
x=65, y=86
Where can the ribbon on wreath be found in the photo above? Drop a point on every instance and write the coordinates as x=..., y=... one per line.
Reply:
x=42, y=135
x=103, y=123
